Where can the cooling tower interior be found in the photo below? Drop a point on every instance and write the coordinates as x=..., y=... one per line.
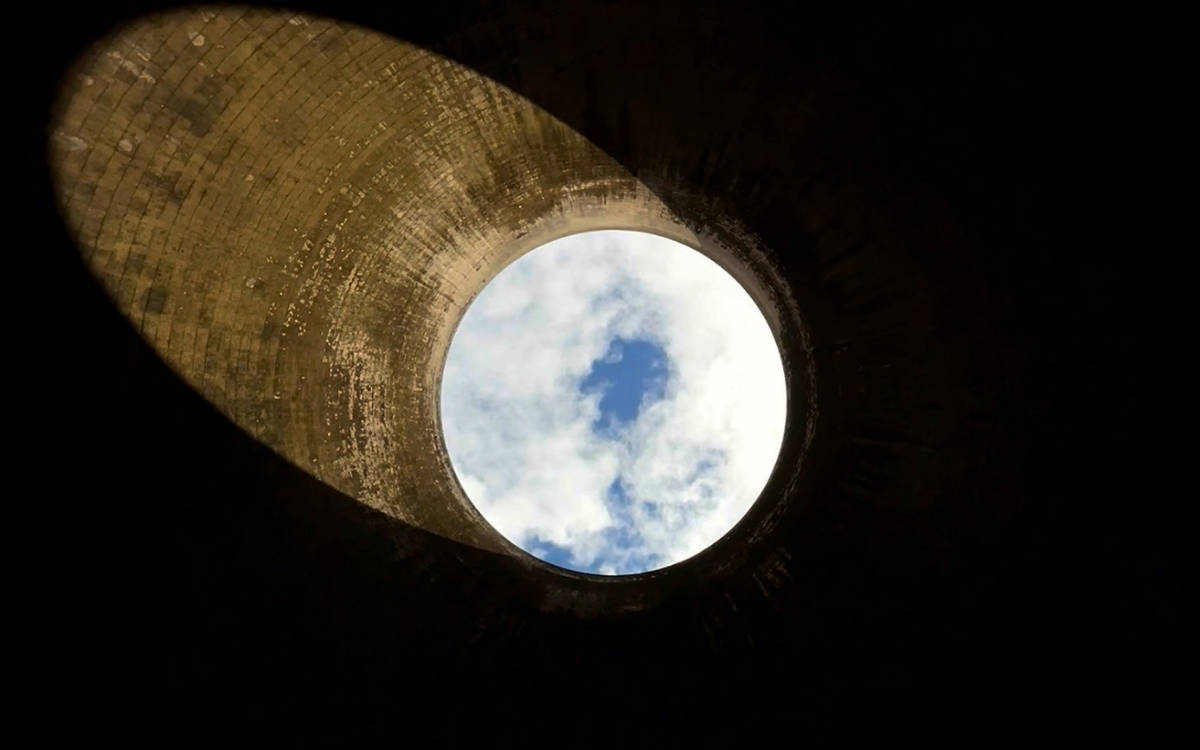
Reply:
x=261, y=226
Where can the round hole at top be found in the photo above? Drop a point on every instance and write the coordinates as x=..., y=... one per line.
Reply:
x=613, y=402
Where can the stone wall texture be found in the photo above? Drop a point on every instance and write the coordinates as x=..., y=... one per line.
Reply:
x=274, y=220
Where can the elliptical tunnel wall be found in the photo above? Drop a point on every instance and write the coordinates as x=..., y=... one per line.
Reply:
x=291, y=212
x=508, y=192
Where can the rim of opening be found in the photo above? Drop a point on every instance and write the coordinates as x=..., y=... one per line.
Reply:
x=703, y=244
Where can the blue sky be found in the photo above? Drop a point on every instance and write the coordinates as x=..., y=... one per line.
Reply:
x=613, y=402
x=632, y=372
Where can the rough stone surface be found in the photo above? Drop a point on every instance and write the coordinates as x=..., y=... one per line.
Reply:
x=270, y=222
x=308, y=210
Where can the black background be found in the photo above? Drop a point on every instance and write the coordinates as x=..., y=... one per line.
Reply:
x=169, y=561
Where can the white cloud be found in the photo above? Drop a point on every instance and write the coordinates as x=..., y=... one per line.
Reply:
x=519, y=431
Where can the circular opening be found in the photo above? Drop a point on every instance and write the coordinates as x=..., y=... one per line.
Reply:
x=613, y=402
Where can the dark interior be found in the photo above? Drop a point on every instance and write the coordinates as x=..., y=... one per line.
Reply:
x=967, y=554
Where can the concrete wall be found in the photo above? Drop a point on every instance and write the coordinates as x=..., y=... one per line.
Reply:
x=269, y=222
x=295, y=212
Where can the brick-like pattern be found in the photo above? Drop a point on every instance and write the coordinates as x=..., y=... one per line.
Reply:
x=295, y=212
x=302, y=209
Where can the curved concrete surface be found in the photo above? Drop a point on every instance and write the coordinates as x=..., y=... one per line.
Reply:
x=286, y=214
x=295, y=212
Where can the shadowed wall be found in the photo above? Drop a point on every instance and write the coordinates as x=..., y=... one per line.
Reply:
x=292, y=212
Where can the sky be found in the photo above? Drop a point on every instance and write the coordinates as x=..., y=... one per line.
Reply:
x=613, y=402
